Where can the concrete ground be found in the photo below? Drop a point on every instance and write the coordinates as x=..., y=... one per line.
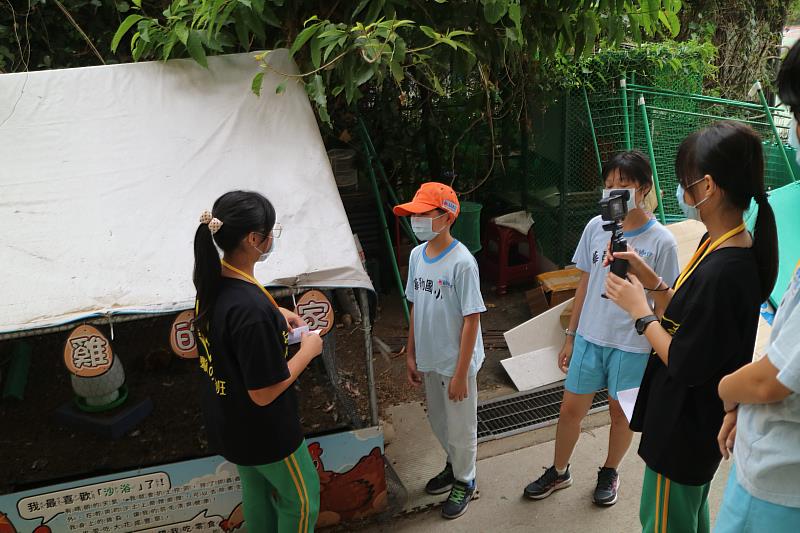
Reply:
x=505, y=466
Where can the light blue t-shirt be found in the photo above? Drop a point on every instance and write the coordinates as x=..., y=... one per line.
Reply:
x=444, y=289
x=603, y=322
x=767, y=449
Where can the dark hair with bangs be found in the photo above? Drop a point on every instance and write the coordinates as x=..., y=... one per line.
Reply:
x=633, y=165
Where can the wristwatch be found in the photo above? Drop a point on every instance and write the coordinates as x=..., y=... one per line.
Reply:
x=569, y=333
x=641, y=324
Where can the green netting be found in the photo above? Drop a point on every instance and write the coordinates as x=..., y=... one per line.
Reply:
x=567, y=158
x=597, y=120
x=672, y=117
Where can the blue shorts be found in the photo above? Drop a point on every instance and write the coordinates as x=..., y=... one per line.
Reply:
x=742, y=513
x=594, y=367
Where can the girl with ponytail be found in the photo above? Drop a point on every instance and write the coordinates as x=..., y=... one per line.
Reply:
x=248, y=398
x=762, y=400
x=702, y=328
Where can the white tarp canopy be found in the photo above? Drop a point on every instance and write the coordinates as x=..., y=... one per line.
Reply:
x=104, y=172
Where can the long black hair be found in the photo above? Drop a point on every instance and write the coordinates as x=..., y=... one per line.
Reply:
x=240, y=212
x=731, y=153
x=633, y=165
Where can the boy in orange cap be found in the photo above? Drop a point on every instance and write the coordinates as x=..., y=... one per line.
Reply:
x=445, y=348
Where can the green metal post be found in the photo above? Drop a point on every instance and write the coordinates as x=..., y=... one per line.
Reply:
x=373, y=155
x=623, y=87
x=633, y=115
x=651, y=152
x=594, y=135
x=767, y=111
x=386, y=235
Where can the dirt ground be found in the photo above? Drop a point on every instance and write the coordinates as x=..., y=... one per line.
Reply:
x=36, y=451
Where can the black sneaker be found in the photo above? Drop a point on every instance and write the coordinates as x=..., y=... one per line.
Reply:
x=607, y=484
x=442, y=482
x=458, y=501
x=548, y=483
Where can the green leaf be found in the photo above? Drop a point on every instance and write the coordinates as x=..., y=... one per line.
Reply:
x=303, y=38
x=636, y=29
x=494, y=10
x=170, y=44
x=241, y=30
x=374, y=11
x=269, y=16
x=137, y=51
x=364, y=74
x=397, y=71
x=258, y=81
x=254, y=24
x=359, y=8
x=281, y=88
x=144, y=29
x=337, y=90
x=258, y=6
x=316, y=90
x=323, y=114
x=316, y=52
x=126, y=25
x=195, y=48
x=137, y=3
x=246, y=3
x=675, y=23
x=515, y=15
x=427, y=30
x=182, y=32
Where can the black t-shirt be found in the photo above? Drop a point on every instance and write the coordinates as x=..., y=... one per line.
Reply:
x=246, y=349
x=713, y=319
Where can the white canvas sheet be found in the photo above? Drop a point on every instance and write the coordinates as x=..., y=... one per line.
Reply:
x=104, y=172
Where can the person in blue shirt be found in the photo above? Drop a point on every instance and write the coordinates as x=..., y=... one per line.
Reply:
x=445, y=348
x=601, y=348
x=762, y=403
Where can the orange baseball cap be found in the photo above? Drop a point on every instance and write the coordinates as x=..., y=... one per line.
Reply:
x=431, y=195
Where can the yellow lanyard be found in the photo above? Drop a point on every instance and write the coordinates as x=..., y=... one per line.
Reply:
x=703, y=251
x=251, y=279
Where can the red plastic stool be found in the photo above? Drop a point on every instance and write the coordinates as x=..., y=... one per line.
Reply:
x=502, y=260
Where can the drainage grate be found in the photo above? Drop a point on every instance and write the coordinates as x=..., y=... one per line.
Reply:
x=525, y=411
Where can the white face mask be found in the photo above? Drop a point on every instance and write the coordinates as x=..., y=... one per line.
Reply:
x=794, y=142
x=631, y=197
x=264, y=255
x=423, y=227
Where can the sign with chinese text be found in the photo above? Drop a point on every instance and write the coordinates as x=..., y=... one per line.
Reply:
x=317, y=311
x=181, y=336
x=198, y=495
x=87, y=352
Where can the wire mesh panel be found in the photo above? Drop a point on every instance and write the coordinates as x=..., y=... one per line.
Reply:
x=594, y=122
x=673, y=116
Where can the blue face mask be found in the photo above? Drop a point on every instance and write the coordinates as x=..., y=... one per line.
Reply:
x=690, y=211
x=794, y=142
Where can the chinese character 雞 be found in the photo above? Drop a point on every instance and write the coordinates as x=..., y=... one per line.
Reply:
x=89, y=352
